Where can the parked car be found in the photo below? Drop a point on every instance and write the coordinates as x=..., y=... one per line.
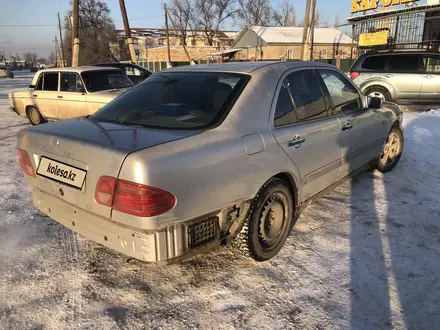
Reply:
x=62, y=93
x=199, y=155
x=5, y=72
x=135, y=73
x=399, y=76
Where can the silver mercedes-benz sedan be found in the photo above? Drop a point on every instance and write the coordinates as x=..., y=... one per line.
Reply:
x=201, y=156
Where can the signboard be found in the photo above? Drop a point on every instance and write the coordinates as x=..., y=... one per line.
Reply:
x=364, y=5
x=373, y=39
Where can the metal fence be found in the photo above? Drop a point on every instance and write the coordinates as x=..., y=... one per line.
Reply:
x=159, y=66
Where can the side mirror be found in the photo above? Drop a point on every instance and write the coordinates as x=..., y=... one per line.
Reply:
x=375, y=103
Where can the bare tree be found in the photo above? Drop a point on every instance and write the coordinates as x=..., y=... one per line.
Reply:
x=97, y=32
x=210, y=14
x=255, y=12
x=285, y=15
x=51, y=59
x=337, y=20
x=27, y=57
x=182, y=14
x=316, y=20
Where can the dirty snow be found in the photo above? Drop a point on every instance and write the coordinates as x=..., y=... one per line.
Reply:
x=366, y=256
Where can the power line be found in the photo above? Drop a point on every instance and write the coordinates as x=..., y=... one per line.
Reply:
x=46, y=25
x=25, y=25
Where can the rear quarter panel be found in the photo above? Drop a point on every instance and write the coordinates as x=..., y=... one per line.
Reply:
x=20, y=100
x=206, y=173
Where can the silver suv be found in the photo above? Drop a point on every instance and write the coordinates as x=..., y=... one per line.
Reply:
x=399, y=76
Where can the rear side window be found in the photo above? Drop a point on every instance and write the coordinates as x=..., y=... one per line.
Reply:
x=50, y=81
x=432, y=64
x=404, y=63
x=307, y=95
x=284, y=112
x=374, y=63
x=176, y=100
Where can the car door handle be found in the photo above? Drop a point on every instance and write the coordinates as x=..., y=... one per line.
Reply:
x=35, y=95
x=347, y=126
x=428, y=76
x=59, y=96
x=296, y=141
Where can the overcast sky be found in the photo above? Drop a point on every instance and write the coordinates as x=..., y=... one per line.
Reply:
x=41, y=20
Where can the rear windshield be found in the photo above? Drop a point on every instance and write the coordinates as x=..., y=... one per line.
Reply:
x=176, y=100
x=102, y=80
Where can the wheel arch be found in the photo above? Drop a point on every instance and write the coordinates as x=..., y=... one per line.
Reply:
x=290, y=180
x=370, y=84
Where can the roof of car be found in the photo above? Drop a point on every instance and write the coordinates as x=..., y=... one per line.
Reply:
x=243, y=67
x=79, y=69
x=401, y=52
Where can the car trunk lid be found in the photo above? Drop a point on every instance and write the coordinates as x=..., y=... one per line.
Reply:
x=88, y=148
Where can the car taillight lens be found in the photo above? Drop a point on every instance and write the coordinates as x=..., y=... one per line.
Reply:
x=353, y=75
x=25, y=163
x=105, y=189
x=133, y=198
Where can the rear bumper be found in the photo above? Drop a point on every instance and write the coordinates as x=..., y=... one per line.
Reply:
x=158, y=246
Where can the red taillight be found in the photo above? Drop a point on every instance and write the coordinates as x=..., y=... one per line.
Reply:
x=25, y=163
x=133, y=198
x=105, y=189
x=353, y=75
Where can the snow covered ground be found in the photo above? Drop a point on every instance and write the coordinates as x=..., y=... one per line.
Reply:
x=366, y=256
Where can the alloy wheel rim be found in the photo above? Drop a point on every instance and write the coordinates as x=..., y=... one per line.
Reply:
x=378, y=95
x=391, y=149
x=34, y=116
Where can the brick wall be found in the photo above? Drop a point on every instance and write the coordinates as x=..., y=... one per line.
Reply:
x=159, y=54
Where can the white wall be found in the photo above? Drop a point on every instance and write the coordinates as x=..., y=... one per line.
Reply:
x=248, y=39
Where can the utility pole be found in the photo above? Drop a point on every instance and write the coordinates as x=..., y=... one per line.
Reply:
x=75, y=39
x=312, y=29
x=127, y=31
x=56, y=52
x=61, y=41
x=168, y=34
x=305, y=31
x=182, y=42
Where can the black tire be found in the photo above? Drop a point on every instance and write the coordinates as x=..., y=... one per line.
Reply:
x=380, y=90
x=273, y=206
x=34, y=116
x=387, y=163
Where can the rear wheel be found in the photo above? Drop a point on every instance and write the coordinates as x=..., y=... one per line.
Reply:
x=269, y=223
x=378, y=91
x=392, y=150
x=34, y=116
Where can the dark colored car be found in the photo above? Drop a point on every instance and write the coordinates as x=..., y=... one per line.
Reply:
x=399, y=75
x=135, y=73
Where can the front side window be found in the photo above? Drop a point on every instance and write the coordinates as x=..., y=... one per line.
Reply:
x=404, y=63
x=101, y=80
x=39, y=86
x=307, y=95
x=50, y=81
x=176, y=100
x=344, y=96
x=284, y=111
x=432, y=64
x=70, y=82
